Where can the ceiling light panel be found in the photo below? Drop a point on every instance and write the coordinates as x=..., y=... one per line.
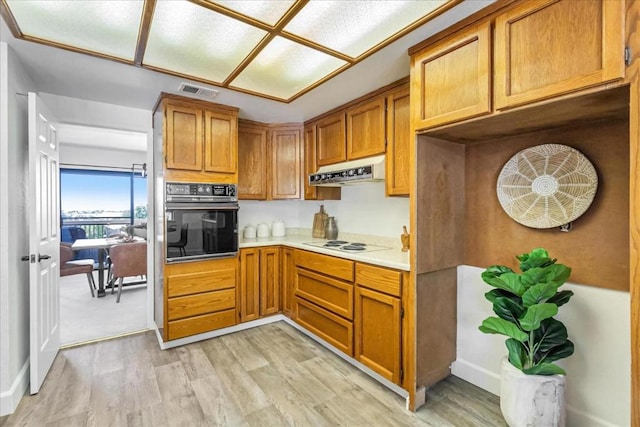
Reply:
x=196, y=41
x=354, y=27
x=105, y=27
x=284, y=68
x=268, y=12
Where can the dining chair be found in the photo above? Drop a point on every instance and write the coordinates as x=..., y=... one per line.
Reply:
x=180, y=244
x=128, y=260
x=69, y=266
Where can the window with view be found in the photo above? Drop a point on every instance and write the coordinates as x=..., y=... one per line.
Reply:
x=100, y=202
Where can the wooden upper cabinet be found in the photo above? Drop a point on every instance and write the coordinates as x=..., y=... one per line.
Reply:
x=366, y=129
x=220, y=142
x=548, y=48
x=269, y=161
x=183, y=143
x=310, y=163
x=199, y=139
x=286, y=179
x=311, y=166
x=397, y=170
x=252, y=161
x=451, y=79
x=330, y=139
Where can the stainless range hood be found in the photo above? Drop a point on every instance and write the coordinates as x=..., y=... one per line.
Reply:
x=370, y=169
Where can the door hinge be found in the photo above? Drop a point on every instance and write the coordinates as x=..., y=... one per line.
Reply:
x=386, y=142
x=627, y=56
x=401, y=374
x=401, y=312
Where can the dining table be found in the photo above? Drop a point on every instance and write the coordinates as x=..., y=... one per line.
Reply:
x=102, y=245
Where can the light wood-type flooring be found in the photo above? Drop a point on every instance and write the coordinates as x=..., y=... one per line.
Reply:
x=271, y=375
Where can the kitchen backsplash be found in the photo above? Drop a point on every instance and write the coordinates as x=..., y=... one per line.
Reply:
x=363, y=210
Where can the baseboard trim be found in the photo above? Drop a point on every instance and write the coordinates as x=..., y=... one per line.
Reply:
x=165, y=345
x=477, y=375
x=10, y=399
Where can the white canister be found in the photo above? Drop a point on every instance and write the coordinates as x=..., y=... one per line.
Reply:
x=278, y=228
x=263, y=230
x=249, y=232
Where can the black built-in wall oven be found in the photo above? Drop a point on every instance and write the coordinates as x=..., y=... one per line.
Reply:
x=201, y=221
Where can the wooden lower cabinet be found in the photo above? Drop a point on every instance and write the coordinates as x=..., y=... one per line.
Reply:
x=288, y=280
x=332, y=328
x=259, y=282
x=378, y=320
x=200, y=297
x=378, y=332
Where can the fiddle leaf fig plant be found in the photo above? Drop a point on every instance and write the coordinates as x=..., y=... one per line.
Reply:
x=525, y=304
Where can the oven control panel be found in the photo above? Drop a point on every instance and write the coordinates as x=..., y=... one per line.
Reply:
x=200, y=192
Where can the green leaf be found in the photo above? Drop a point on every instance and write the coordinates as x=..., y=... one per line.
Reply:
x=508, y=309
x=496, y=270
x=559, y=352
x=560, y=299
x=517, y=353
x=558, y=273
x=544, y=369
x=552, y=333
x=536, y=314
x=509, y=282
x=536, y=258
x=539, y=293
x=495, y=325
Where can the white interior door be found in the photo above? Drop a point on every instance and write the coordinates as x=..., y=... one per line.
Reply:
x=44, y=241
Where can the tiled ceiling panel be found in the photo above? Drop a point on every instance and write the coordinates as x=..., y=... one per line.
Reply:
x=278, y=49
x=194, y=41
x=104, y=27
x=353, y=27
x=284, y=68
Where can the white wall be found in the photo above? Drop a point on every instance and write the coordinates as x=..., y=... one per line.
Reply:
x=598, y=373
x=95, y=156
x=363, y=209
x=14, y=274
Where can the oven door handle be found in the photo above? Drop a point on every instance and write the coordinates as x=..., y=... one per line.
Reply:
x=202, y=206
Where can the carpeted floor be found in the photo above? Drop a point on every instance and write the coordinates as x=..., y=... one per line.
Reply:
x=83, y=318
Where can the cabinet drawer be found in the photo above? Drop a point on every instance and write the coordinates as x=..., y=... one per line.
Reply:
x=329, y=265
x=200, y=324
x=331, y=328
x=379, y=279
x=208, y=302
x=334, y=295
x=192, y=283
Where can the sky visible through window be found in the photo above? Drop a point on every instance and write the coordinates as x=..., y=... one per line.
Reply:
x=100, y=193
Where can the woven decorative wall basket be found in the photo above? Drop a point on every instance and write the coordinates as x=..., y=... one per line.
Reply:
x=547, y=185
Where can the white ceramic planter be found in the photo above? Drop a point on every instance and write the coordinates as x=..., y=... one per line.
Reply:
x=532, y=400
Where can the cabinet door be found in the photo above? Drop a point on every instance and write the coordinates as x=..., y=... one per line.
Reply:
x=551, y=47
x=311, y=166
x=184, y=137
x=366, y=129
x=378, y=333
x=252, y=162
x=286, y=180
x=249, y=284
x=331, y=141
x=452, y=79
x=398, y=168
x=288, y=276
x=221, y=142
x=269, y=281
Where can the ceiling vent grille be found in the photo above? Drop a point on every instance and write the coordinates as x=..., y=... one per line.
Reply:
x=197, y=90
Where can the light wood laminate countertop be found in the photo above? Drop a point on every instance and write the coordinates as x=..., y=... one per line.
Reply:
x=391, y=258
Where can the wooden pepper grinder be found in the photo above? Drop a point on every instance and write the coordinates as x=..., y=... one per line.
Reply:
x=404, y=237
